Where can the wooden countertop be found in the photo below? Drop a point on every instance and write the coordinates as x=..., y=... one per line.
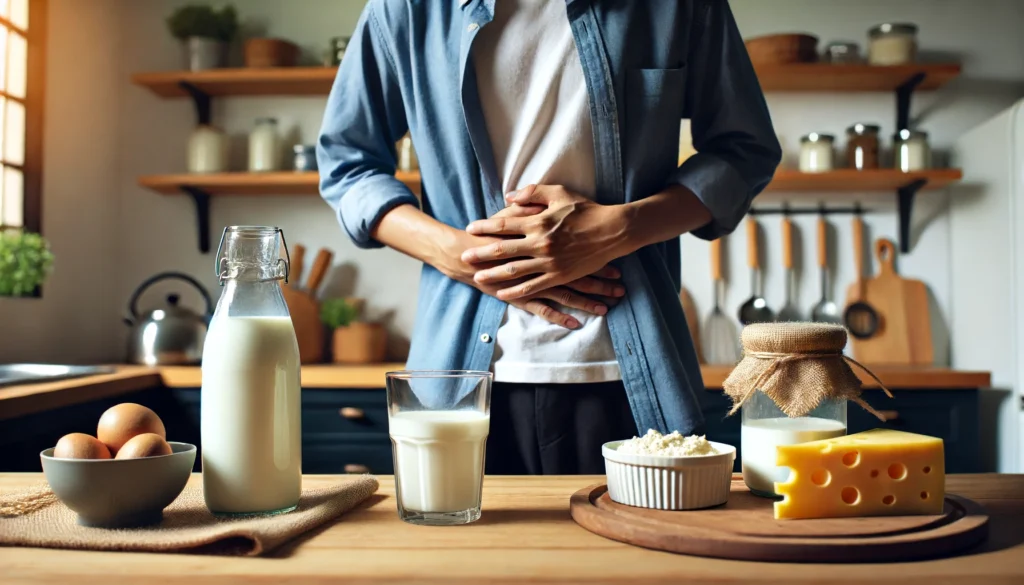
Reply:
x=524, y=536
x=26, y=399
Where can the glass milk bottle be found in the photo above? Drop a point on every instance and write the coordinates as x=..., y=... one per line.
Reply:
x=250, y=409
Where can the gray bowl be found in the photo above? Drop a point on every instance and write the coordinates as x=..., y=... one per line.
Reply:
x=119, y=493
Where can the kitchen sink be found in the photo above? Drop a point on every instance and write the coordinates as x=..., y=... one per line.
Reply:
x=13, y=374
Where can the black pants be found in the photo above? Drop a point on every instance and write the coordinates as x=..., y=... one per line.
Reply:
x=551, y=429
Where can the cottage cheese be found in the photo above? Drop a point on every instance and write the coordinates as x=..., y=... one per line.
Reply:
x=670, y=445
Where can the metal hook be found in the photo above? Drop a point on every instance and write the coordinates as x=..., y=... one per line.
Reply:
x=218, y=262
x=287, y=254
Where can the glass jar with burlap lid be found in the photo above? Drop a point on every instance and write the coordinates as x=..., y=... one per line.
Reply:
x=792, y=386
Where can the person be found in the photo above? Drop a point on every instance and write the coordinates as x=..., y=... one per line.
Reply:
x=547, y=133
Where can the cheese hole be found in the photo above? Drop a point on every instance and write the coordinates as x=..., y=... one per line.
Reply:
x=821, y=477
x=850, y=495
x=897, y=471
x=927, y=469
x=874, y=473
x=924, y=495
x=827, y=448
x=851, y=458
x=889, y=500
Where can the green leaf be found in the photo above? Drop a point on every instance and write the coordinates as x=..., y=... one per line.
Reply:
x=337, y=313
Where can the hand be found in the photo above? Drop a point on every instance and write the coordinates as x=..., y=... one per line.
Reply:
x=570, y=238
x=540, y=304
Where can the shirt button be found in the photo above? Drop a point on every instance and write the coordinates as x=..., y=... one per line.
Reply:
x=472, y=27
x=485, y=338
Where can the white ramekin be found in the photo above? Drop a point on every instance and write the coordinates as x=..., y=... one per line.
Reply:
x=669, y=483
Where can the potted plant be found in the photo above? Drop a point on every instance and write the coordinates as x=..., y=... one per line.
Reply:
x=25, y=262
x=354, y=341
x=205, y=32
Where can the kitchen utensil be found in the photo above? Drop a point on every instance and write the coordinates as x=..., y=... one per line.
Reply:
x=720, y=335
x=14, y=374
x=859, y=317
x=303, y=305
x=119, y=492
x=780, y=49
x=170, y=334
x=745, y=529
x=904, y=336
x=825, y=311
x=692, y=320
x=789, y=311
x=755, y=310
x=669, y=483
x=298, y=260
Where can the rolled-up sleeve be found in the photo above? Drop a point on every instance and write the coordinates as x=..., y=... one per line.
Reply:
x=364, y=118
x=737, y=150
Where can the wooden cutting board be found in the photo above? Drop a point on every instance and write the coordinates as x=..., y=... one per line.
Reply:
x=303, y=305
x=904, y=335
x=744, y=528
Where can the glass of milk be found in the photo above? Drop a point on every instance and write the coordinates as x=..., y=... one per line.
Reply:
x=438, y=422
x=765, y=427
x=250, y=415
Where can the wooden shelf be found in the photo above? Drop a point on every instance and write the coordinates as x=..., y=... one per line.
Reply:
x=801, y=77
x=851, y=180
x=280, y=183
x=243, y=81
x=825, y=77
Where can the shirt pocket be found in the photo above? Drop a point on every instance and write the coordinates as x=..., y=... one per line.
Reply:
x=654, y=111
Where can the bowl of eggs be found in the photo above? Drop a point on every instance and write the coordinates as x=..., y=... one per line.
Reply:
x=124, y=476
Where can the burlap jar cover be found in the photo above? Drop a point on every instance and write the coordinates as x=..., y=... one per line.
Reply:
x=797, y=365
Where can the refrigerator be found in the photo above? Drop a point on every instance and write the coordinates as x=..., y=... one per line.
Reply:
x=987, y=273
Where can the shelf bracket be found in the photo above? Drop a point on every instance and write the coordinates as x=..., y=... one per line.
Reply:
x=905, y=205
x=903, y=93
x=202, y=201
x=201, y=99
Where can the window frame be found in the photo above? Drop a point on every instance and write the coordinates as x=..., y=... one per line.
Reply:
x=34, y=101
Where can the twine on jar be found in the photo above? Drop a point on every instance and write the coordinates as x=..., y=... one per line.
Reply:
x=778, y=359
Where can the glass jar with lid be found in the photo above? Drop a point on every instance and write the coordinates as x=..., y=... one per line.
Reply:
x=817, y=153
x=842, y=52
x=911, y=151
x=892, y=44
x=862, y=146
x=251, y=412
x=264, y=150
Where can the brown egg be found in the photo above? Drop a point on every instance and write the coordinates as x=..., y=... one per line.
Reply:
x=144, y=445
x=80, y=446
x=124, y=421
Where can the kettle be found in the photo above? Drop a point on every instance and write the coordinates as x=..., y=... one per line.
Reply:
x=170, y=335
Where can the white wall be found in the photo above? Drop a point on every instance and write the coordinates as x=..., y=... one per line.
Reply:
x=76, y=319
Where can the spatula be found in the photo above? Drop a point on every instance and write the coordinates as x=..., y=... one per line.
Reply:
x=721, y=339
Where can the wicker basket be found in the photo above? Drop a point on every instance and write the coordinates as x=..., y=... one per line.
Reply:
x=270, y=53
x=782, y=49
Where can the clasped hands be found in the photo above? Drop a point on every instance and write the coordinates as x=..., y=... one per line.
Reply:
x=548, y=246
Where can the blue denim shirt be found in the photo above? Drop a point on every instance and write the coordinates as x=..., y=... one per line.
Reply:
x=647, y=65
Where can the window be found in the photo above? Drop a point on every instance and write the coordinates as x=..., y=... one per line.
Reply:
x=22, y=42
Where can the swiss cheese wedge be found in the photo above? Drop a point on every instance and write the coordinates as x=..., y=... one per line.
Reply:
x=874, y=473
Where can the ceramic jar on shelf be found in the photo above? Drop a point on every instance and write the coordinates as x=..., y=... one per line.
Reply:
x=264, y=148
x=207, y=150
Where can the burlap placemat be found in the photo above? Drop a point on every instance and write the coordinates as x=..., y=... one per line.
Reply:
x=36, y=518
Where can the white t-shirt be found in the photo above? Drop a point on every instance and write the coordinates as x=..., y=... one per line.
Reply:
x=535, y=103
